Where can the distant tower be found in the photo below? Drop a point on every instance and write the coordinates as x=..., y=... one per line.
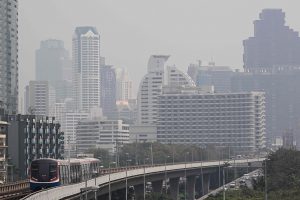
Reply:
x=86, y=68
x=108, y=91
x=124, y=85
x=53, y=64
x=9, y=56
x=274, y=46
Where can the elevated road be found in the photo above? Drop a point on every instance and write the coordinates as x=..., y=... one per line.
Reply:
x=103, y=186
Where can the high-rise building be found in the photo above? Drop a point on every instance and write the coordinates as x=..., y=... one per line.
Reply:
x=101, y=133
x=211, y=74
x=31, y=137
x=37, y=98
x=108, y=91
x=9, y=56
x=274, y=46
x=149, y=89
x=53, y=64
x=86, y=68
x=124, y=85
x=192, y=116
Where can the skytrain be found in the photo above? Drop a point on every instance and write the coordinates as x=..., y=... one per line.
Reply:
x=47, y=172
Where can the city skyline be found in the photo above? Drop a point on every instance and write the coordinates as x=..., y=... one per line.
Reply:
x=208, y=41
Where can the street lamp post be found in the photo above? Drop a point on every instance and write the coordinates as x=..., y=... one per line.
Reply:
x=145, y=177
x=187, y=153
x=109, y=187
x=166, y=159
x=224, y=183
x=126, y=176
x=225, y=165
x=151, y=151
x=266, y=185
x=219, y=168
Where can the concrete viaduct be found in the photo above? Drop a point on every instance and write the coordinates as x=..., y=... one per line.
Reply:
x=209, y=172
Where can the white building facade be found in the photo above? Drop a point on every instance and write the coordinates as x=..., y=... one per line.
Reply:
x=235, y=120
x=151, y=87
x=101, y=133
x=69, y=125
x=86, y=68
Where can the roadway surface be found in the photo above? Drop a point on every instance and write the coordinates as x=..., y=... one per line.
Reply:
x=236, y=183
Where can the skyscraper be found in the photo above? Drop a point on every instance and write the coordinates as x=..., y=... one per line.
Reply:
x=274, y=46
x=86, y=68
x=108, y=91
x=9, y=56
x=51, y=59
x=53, y=65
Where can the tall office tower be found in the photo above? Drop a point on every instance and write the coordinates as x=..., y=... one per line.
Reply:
x=86, y=68
x=108, y=91
x=196, y=116
x=9, y=56
x=37, y=98
x=124, y=85
x=274, y=46
x=53, y=64
x=211, y=74
x=149, y=89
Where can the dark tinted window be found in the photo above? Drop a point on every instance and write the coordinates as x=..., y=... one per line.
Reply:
x=52, y=171
x=35, y=171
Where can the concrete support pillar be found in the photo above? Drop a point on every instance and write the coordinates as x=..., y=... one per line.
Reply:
x=139, y=192
x=198, y=186
x=190, y=187
x=206, y=183
x=157, y=186
x=174, y=188
x=214, y=180
x=119, y=194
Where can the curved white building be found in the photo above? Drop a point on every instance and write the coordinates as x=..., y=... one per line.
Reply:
x=175, y=77
x=151, y=87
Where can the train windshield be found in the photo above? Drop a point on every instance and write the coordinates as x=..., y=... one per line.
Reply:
x=52, y=171
x=35, y=171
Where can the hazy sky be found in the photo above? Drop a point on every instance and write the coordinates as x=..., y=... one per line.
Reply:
x=132, y=30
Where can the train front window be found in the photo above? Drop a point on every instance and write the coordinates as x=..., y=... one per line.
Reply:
x=35, y=171
x=52, y=171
